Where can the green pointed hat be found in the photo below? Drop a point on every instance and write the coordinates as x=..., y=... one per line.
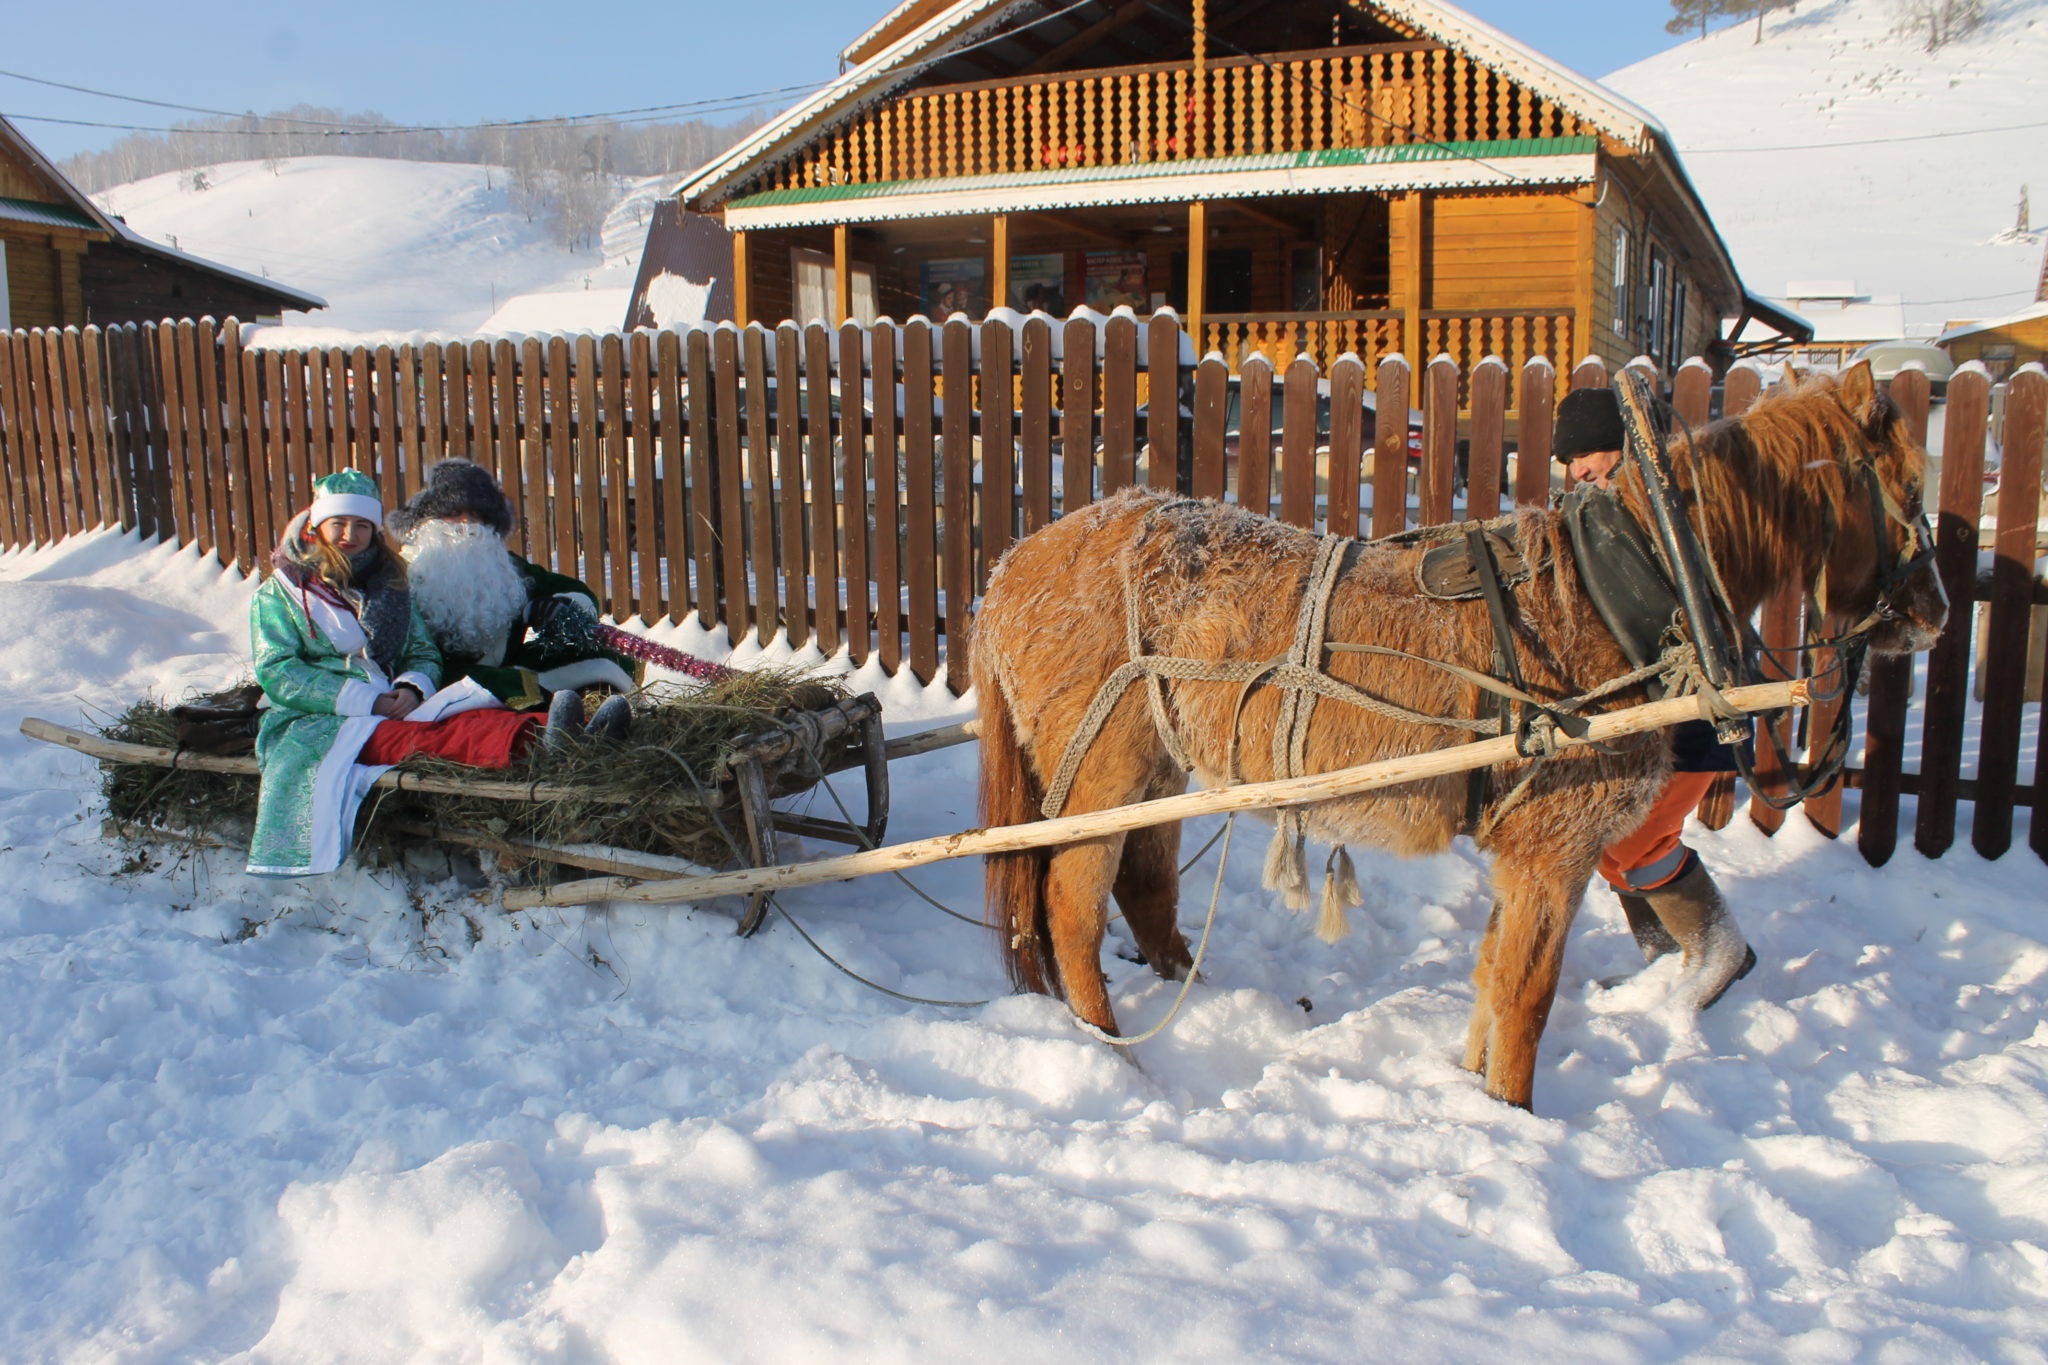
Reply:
x=349, y=493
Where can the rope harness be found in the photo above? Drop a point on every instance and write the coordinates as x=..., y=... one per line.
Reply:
x=1695, y=656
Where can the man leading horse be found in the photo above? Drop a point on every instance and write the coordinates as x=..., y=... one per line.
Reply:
x=1665, y=890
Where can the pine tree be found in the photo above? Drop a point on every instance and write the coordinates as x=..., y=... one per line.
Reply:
x=1686, y=13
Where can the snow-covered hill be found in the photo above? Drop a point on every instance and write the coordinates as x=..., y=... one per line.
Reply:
x=396, y=246
x=1839, y=149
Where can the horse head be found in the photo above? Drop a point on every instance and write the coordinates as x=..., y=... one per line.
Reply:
x=1878, y=569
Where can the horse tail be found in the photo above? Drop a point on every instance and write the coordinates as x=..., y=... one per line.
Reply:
x=1014, y=882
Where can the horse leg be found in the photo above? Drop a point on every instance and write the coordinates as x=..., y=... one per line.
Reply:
x=1519, y=965
x=1148, y=892
x=1481, y=1026
x=1077, y=882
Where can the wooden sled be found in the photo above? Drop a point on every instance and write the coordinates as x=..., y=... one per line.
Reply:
x=774, y=765
x=756, y=771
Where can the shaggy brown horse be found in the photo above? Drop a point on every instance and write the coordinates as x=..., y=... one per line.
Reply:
x=1778, y=496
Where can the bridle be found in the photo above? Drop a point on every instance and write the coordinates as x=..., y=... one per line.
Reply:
x=1709, y=613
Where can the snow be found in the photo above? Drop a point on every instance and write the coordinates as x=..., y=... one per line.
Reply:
x=362, y=1118
x=1794, y=146
x=395, y=247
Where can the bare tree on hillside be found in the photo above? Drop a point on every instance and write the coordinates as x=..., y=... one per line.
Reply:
x=1940, y=21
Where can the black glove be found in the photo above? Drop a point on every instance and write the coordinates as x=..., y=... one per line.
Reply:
x=542, y=610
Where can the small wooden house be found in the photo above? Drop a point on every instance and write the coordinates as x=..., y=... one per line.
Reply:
x=64, y=263
x=2003, y=344
x=1323, y=175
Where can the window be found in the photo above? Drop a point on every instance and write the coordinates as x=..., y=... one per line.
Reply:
x=6, y=318
x=816, y=279
x=1675, y=347
x=1653, y=331
x=1621, y=281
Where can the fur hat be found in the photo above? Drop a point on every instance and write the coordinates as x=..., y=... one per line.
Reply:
x=346, y=493
x=1587, y=420
x=454, y=487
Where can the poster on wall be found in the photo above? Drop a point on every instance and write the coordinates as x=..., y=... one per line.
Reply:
x=1039, y=284
x=1113, y=278
x=956, y=284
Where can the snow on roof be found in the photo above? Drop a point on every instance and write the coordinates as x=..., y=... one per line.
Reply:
x=2027, y=314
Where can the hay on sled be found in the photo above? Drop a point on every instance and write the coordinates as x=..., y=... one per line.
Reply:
x=665, y=790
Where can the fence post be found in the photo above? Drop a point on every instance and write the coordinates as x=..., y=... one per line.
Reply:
x=2011, y=612
x=1536, y=418
x=1955, y=558
x=1485, y=464
x=920, y=513
x=1346, y=472
x=892, y=396
x=1255, y=435
x=649, y=600
x=13, y=480
x=1439, y=440
x=1119, y=403
x=1891, y=688
x=1298, y=445
x=856, y=400
x=1389, y=448
x=242, y=496
x=957, y=491
x=1165, y=468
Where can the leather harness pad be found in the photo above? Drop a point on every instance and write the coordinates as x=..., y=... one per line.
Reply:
x=1448, y=572
x=1627, y=585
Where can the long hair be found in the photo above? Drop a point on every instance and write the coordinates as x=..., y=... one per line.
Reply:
x=332, y=565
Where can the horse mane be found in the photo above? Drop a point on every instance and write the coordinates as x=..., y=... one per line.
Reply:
x=1762, y=488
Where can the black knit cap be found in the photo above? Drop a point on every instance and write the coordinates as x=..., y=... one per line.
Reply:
x=454, y=487
x=1587, y=420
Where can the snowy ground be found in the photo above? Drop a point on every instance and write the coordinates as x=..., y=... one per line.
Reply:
x=1839, y=149
x=355, y=1120
x=395, y=246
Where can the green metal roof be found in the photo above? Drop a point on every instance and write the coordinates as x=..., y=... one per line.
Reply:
x=45, y=215
x=1504, y=150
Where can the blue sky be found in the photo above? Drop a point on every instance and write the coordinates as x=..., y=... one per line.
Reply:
x=428, y=63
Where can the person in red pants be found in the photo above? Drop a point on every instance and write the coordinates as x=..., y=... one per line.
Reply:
x=1671, y=902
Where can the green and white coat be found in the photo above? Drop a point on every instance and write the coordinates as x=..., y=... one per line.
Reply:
x=313, y=662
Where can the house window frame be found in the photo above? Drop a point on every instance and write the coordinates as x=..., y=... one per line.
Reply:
x=1655, y=322
x=6, y=303
x=1622, y=281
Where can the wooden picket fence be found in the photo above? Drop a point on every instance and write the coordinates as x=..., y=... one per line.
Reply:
x=734, y=474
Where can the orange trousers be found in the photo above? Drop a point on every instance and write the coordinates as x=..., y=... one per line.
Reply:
x=1653, y=853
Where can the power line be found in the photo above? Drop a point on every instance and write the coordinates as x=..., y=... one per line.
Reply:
x=1865, y=142
x=325, y=127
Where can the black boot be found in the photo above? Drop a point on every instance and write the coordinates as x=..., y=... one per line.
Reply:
x=1691, y=914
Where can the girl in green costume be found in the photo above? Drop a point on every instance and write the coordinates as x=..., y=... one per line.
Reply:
x=351, y=677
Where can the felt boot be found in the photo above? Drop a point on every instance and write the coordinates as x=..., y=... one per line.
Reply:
x=1690, y=911
x=1651, y=935
x=613, y=720
x=565, y=720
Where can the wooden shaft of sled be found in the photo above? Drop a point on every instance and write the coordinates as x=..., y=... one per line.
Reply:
x=1292, y=791
x=617, y=862
x=926, y=741
x=157, y=756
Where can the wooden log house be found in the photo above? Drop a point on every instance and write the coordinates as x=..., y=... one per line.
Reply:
x=66, y=263
x=1371, y=176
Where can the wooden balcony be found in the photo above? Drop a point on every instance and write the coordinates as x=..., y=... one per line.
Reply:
x=1371, y=96
x=1468, y=336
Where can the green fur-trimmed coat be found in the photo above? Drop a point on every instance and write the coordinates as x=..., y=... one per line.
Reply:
x=312, y=663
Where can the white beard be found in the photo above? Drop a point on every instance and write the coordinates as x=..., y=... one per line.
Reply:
x=469, y=592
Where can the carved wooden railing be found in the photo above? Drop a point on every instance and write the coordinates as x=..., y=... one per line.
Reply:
x=1466, y=335
x=1280, y=337
x=1381, y=95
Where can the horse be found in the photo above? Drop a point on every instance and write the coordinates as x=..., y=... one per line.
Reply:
x=1817, y=485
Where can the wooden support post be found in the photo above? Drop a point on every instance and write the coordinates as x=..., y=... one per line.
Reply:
x=1587, y=270
x=999, y=272
x=1198, y=267
x=842, y=273
x=1409, y=274
x=741, y=305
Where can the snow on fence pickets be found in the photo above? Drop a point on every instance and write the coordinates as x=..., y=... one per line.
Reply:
x=718, y=471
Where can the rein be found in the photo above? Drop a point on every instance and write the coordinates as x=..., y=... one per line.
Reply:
x=1685, y=557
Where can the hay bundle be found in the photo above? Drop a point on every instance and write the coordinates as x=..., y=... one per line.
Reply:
x=663, y=791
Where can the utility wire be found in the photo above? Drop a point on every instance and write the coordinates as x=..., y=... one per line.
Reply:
x=1864, y=142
